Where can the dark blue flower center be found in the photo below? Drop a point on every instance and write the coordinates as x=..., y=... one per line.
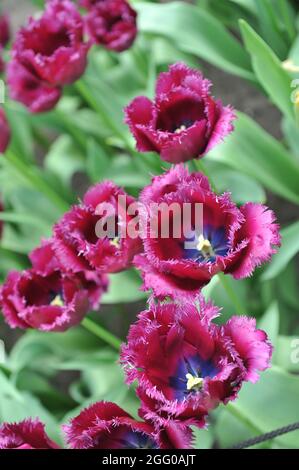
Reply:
x=205, y=246
x=136, y=440
x=183, y=125
x=190, y=376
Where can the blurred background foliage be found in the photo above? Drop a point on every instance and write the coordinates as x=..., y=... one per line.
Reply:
x=250, y=50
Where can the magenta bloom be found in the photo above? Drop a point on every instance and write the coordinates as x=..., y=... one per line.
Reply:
x=5, y=133
x=83, y=239
x=186, y=365
x=89, y=3
x=112, y=24
x=4, y=30
x=105, y=425
x=184, y=121
x=28, y=89
x=46, y=298
x=47, y=54
x=230, y=240
x=28, y=434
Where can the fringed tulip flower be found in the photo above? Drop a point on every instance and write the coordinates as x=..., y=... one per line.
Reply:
x=184, y=121
x=226, y=238
x=28, y=89
x=89, y=3
x=48, y=53
x=4, y=30
x=28, y=434
x=112, y=24
x=186, y=365
x=94, y=235
x=105, y=425
x=46, y=298
x=5, y=133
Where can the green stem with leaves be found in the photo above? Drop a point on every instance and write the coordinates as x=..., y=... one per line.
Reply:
x=29, y=173
x=101, y=333
x=232, y=408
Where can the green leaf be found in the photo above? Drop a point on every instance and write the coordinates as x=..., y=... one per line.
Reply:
x=203, y=438
x=125, y=171
x=97, y=161
x=291, y=133
x=124, y=288
x=270, y=323
x=252, y=150
x=289, y=248
x=230, y=430
x=195, y=31
x=21, y=131
x=272, y=403
x=270, y=26
x=64, y=159
x=268, y=69
x=90, y=360
x=242, y=187
x=286, y=353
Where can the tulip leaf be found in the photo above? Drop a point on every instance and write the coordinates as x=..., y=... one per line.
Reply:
x=64, y=159
x=289, y=248
x=195, y=31
x=252, y=150
x=268, y=69
x=249, y=415
x=270, y=323
x=271, y=27
x=286, y=353
x=124, y=287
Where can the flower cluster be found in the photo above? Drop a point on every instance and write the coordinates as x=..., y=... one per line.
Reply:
x=50, y=52
x=103, y=425
x=69, y=271
x=46, y=296
x=184, y=363
x=47, y=54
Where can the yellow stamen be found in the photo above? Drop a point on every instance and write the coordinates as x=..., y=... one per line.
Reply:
x=203, y=244
x=115, y=242
x=57, y=301
x=194, y=382
x=180, y=129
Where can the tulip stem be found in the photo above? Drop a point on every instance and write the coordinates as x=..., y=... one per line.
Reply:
x=29, y=173
x=237, y=413
x=101, y=333
x=225, y=281
x=199, y=166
